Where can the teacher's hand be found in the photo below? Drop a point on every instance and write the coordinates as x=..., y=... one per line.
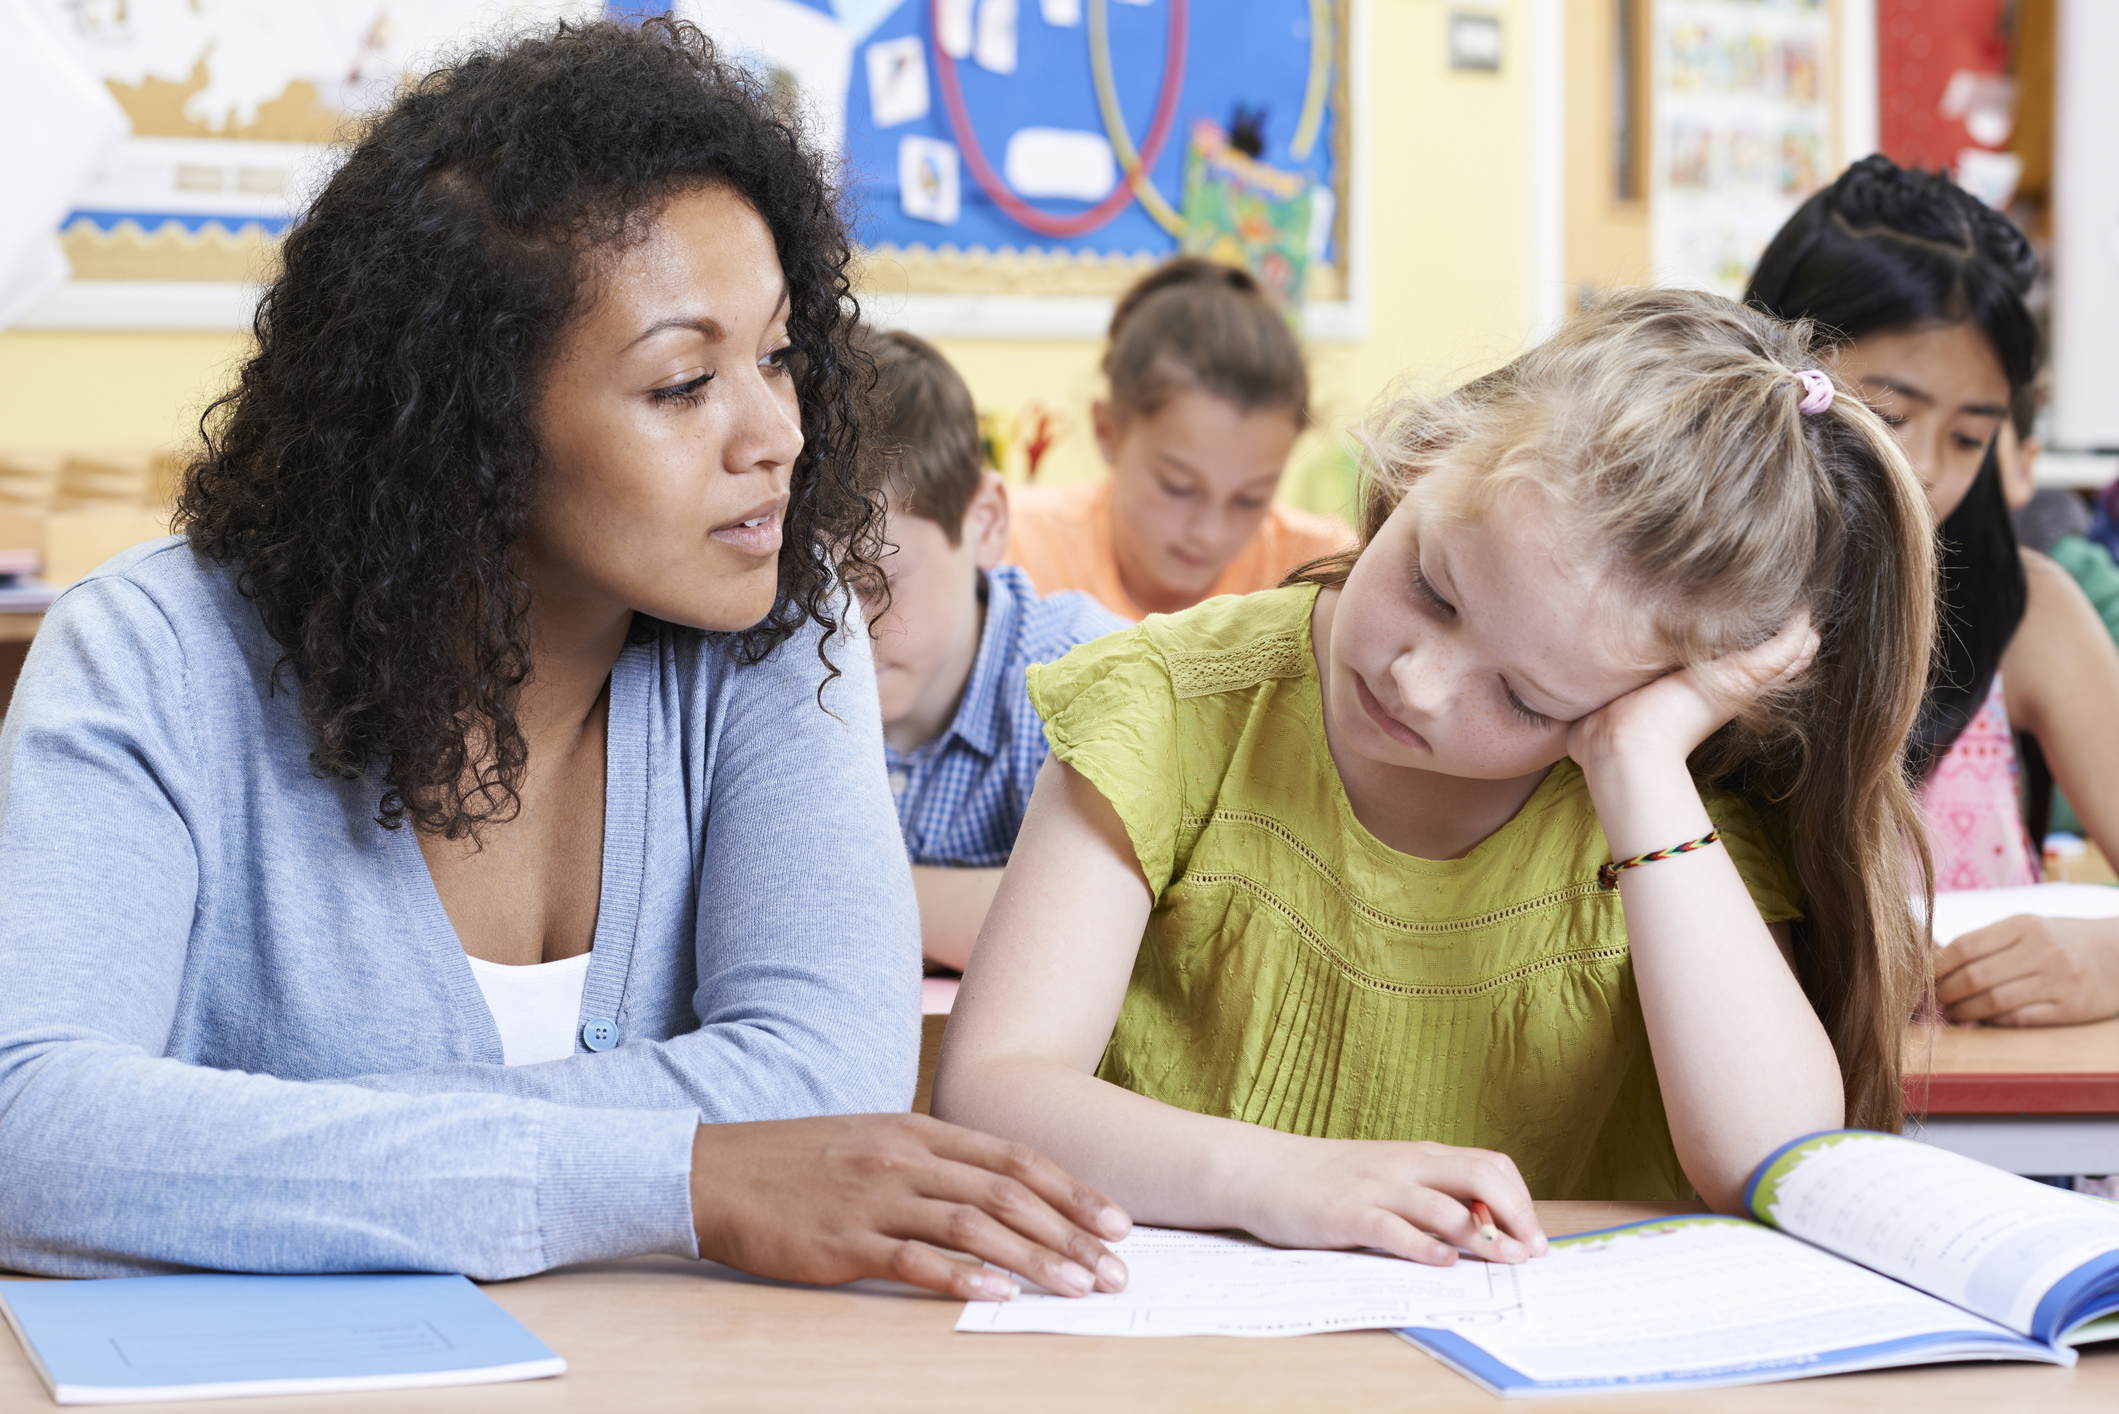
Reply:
x=837, y=1199
x=2028, y=971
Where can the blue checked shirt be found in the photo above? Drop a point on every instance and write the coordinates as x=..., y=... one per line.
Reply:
x=961, y=796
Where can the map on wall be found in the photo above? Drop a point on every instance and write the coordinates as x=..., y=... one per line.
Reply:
x=233, y=105
x=1743, y=132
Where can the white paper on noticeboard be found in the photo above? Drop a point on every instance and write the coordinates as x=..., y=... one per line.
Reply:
x=994, y=44
x=897, y=80
x=928, y=184
x=1061, y=162
x=952, y=27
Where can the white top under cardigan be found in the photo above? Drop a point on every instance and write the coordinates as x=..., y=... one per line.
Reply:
x=536, y=1008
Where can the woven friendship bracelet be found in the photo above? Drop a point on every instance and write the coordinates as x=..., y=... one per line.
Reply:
x=1608, y=874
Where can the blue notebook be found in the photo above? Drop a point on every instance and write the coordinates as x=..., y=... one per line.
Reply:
x=127, y=1340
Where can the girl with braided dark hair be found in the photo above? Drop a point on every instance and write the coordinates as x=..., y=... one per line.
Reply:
x=487, y=785
x=1922, y=287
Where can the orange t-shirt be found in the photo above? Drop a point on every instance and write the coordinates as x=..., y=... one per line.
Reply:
x=1061, y=535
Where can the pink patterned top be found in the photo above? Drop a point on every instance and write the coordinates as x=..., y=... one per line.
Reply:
x=1975, y=826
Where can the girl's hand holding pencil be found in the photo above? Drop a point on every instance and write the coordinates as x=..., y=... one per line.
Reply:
x=1421, y=1201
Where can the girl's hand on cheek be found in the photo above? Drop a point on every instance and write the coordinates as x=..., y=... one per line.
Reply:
x=1410, y=1200
x=1676, y=712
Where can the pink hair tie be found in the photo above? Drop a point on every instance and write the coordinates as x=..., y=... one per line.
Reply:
x=1817, y=392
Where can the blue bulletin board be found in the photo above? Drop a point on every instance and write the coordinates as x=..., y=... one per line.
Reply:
x=1011, y=164
x=1064, y=129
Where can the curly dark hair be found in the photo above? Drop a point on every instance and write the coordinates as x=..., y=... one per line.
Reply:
x=371, y=473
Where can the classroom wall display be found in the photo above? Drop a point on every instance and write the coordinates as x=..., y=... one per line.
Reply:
x=233, y=105
x=1061, y=147
x=1039, y=150
x=1742, y=131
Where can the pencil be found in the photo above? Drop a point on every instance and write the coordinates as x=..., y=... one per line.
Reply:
x=1484, y=1217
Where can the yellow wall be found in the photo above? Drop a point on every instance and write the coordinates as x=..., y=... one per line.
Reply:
x=65, y=389
x=1446, y=286
x=1607, y=239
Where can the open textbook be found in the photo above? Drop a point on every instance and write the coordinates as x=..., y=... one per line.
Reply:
x=1869, y=1251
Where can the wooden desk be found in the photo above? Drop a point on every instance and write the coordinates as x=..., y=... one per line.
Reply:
x=2041, y=1100
x=657, y=1333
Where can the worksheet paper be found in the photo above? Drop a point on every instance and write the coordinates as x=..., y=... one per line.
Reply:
x=1195, y=1283
x=1684, y=1300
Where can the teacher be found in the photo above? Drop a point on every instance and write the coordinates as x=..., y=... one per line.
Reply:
x=486, y=787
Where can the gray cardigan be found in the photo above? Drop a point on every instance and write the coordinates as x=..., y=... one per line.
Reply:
x=237, y=1030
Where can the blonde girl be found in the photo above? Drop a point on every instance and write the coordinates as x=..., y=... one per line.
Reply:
x=1551, y=845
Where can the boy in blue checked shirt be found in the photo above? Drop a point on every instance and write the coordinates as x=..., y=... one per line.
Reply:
x=961, y=741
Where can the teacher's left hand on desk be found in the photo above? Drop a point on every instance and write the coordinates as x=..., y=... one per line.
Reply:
x=840, y=1198
x=2028, y=971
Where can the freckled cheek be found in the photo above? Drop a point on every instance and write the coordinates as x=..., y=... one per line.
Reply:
x=1495, y=740
x=1481, y=732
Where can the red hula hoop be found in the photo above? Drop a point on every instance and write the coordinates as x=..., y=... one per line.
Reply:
x=1122, y=195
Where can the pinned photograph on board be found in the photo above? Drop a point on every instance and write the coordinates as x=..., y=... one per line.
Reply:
x=993, y=46
x=1061, y=14
x=928, y=184
x=897, y=80
x=952, y=27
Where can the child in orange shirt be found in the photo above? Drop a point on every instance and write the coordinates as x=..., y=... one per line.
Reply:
x=1207, y=395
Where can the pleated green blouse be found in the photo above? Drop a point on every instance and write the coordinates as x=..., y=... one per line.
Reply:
x=1298, y=973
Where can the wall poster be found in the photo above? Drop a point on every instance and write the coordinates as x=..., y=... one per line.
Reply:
x=1742, y=131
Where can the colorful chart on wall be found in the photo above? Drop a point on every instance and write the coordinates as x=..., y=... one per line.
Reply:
x=1061, y=146
x=1743, y=131
x=1022, y=146
x=233, y=105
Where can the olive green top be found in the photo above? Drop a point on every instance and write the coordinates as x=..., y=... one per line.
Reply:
x=1298, y=973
